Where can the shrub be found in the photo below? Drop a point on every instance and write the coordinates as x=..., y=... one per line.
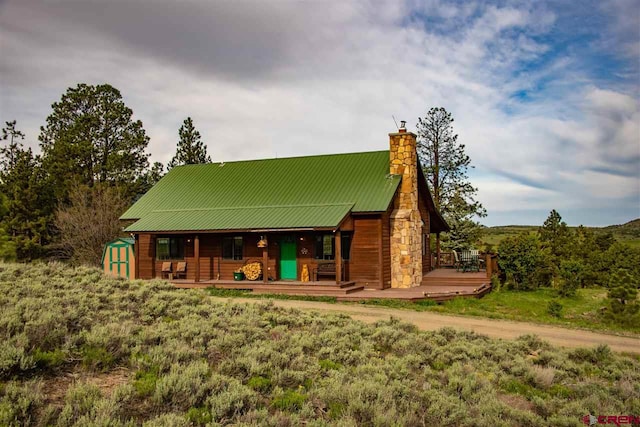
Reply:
x=289, y=400
x=571, y=272
x=18, y=403
x=183, y=386
x=145, y=381
x=520, y=259
x=229, y=398
x=97, y=358
x=328, y=365
x=259, y=383
x=554, y=308
x=199, y=416
x=48, y=359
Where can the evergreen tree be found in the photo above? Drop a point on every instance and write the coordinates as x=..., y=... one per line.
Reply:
x=91, y=137
x=28, y=198
x=555, y=236
x=445, y=164
x=191, y=150
x=624, y=307
x=14, y=140
x=464, y=231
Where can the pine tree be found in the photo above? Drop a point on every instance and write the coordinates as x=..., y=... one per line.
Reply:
x=555, y=236
x=151, y=177
x=624, y=307
x=28, y=198
x=445, y=164
x=91, y=137
x=191, y=150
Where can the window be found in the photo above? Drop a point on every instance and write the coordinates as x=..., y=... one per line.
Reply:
x=325, y=248
x=346, y=246
x=232, y=248
x=169, y=248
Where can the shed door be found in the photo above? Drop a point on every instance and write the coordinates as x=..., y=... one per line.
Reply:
x=288, y=264
x=119, y=260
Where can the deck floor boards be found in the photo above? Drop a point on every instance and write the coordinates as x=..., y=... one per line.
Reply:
x=438, y=285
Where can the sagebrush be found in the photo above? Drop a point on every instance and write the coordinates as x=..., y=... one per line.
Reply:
x=81, y=349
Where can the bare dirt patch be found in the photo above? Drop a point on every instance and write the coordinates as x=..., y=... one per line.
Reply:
x=515, y=401
x=55, y=388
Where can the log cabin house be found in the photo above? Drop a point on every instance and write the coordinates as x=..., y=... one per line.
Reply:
x=360, y=217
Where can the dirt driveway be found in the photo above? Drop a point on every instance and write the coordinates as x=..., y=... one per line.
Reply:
x=493, y=328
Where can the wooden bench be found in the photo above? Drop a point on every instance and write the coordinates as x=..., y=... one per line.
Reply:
x=326, y=269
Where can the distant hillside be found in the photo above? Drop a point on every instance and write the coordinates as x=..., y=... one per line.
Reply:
x=631, y=228
x=628, y=232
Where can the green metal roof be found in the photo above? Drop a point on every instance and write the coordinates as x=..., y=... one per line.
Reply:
x=252, y=218
x=296, y=192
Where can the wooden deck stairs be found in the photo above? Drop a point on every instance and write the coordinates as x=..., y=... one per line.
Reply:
x=319, y=288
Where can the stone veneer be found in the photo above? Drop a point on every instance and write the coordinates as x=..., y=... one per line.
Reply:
x=406, y=223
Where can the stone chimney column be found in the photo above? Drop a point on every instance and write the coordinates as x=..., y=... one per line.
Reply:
x=406, y=223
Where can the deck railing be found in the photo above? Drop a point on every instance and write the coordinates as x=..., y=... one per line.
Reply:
x=489, y=262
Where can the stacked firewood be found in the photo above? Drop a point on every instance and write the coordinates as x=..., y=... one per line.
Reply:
x=252, y=270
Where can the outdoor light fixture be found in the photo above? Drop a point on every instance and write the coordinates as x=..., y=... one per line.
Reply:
x=262, y=243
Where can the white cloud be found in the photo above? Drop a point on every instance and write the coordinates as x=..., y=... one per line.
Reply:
x=303, y=78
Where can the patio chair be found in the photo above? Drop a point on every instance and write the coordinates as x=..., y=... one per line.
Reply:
x=181, y=270
x=166, y=269
x=470, y=260
x=456, y=261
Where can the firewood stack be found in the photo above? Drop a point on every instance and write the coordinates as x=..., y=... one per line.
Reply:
x=252, y=270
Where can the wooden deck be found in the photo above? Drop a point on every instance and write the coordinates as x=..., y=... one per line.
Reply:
x=438, y=285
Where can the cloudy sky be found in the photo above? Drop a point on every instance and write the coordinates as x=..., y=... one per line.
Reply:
x=545, y=95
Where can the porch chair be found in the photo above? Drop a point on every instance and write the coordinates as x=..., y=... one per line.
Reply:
x=470, y=261
x=456, y=261
x=181, y=270
x=166, y=269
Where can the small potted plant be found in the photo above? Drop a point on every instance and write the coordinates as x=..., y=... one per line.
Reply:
x=238, y=274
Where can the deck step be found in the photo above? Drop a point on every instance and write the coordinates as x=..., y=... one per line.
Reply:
x=301, y=290
x=285, y=286
x=469, y=284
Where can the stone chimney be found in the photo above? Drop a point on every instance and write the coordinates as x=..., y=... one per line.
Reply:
x=406, y=223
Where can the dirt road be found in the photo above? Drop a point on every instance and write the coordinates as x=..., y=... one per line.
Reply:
x=493, y=328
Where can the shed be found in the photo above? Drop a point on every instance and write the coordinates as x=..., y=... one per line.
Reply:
x=118, y=258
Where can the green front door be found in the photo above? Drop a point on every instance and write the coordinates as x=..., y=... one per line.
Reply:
x=288, y=265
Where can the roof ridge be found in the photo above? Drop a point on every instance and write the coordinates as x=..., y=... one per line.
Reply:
x=317, y=205
x=281, y=158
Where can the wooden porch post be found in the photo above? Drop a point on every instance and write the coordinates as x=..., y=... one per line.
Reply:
x=338, y=257
x=153, y=255
x=196, y=254
x=136, y=256
x=488, y=264
x=437, y=250
x=265, y=264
